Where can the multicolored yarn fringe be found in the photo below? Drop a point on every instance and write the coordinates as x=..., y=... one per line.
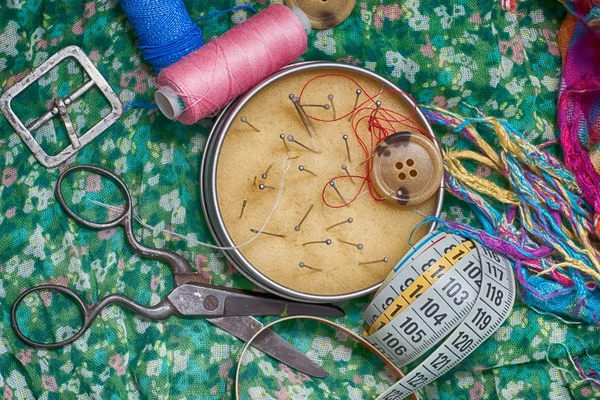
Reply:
x=543, y=224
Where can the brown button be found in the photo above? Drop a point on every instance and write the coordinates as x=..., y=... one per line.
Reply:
x=324, y=14
x=407, y=168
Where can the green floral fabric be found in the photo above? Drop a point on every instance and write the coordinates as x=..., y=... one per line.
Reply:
x=453, y=54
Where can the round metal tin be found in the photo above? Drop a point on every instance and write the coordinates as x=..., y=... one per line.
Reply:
x=208, y=181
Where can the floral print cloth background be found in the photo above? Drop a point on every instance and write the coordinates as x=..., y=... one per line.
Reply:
x=452, y=54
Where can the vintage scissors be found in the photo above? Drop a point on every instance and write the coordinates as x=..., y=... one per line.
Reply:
x=229, y=309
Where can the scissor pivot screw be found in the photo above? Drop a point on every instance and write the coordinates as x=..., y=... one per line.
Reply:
x=211, y=303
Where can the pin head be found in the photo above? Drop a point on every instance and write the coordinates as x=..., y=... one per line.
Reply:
x=330, y=97
x=291, y=96
x=290, y=138
x=360, y=246
x=264, y=176
x=327, y=106
x=244, y=119
x=282, y=136
x=328, y=242
x=297, y=228
x=378, y=103
x=385, y=260
x=350, y=220
x=345, y=137
x=301, y=265
x=332, y=184
x=261, y=186
x=301, y=167
x=358, y=91
x=344, y=167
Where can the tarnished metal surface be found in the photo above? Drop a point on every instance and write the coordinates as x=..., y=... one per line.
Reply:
x=60, y=107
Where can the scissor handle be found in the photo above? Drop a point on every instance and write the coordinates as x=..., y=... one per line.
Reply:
x=125, y=214
x=177, y=263
x=162, y=310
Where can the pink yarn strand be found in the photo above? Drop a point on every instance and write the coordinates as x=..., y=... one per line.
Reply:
x=207, y=79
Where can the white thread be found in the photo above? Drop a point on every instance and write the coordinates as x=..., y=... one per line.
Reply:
x=285, y=166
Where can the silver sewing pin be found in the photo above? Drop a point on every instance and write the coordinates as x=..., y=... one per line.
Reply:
x=345, y=168
x=245, y=121
x=282, y=137
x=385, y=260
x=301, y=168
x=358, y=93
x=264, y=175
x=330, y=97
x=332, y=184
x=359, y=246
x=302, y=114
x=377, y=105
x=263, y=187
x=297, y=227
x=267, y=233
x=325, y=106
x=290, y=138
x=243, y=207
x=348, y=221
x=326, y=241
x=345, y=137
x=302, y=265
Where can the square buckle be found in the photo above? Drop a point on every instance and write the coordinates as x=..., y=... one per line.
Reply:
x=60, y=107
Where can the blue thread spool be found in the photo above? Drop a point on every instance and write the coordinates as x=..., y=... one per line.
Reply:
x=165, y=30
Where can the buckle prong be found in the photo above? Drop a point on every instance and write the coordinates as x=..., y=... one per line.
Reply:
x=60, y=107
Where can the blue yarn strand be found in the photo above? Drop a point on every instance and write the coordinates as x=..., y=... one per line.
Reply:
x=165, y=30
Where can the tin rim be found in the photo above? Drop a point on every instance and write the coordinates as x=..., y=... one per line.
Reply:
x=208, y=182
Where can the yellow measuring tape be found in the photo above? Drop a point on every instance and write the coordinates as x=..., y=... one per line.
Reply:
x=435, y=271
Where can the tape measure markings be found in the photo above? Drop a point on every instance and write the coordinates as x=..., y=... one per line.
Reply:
x=429, y=305
x=397, y=282
x=489, y=307
x=435, y=270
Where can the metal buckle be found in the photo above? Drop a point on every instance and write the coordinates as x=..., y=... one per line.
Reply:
x=60, y=107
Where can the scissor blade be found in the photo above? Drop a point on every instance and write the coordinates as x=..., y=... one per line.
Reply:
x=263, y=305
x=244, y=328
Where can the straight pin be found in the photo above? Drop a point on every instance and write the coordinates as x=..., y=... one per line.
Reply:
x=243, y=207
x=282, y=137
x=297, y=227
x=302, y=114
x=330, y=97
x=290, y=138
x=327, y=242
x=345, y=137
x=345, y=168
x=377, y=105
x=263, y=187
x=348, y=221
x=267, y=233
x=264, y=175
x=302, y=265
x=301, y=168
x=332, y=184
x=358, y=93
x=325, y=106
x=245, y=121
x=359, y=246
x=385, y=260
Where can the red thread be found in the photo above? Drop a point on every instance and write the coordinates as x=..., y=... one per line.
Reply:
x=379, y=126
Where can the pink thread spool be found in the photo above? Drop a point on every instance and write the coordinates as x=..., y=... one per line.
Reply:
x=203, y=82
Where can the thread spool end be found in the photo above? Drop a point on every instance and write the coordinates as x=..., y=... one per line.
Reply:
x=303, y=19
x=168, y=102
